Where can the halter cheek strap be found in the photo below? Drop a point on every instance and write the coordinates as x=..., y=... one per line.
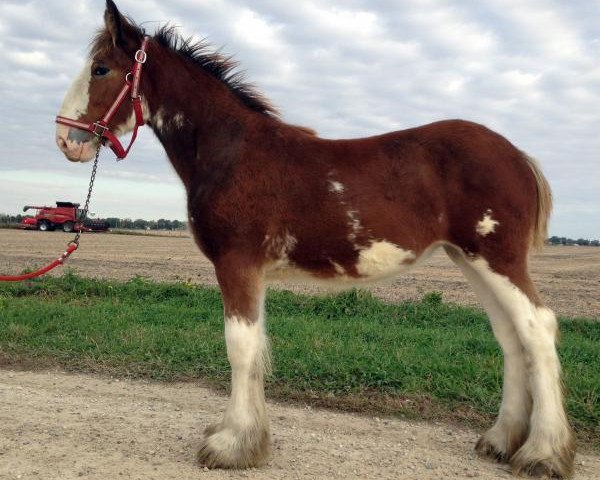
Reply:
x=131, y=87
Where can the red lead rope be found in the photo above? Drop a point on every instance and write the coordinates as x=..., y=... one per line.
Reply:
x=71, y=247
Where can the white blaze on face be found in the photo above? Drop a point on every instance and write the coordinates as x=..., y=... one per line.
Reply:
x=77, y=98
x=382, y=259
x=76, y=144
x=487, y=224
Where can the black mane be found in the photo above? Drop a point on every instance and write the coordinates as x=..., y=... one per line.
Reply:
x=218, y=65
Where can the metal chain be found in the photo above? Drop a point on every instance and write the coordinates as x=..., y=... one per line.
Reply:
x=86, y=206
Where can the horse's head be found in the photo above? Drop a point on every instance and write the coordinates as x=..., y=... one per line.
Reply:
x=95, y=89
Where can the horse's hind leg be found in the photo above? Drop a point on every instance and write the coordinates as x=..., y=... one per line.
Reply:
x=510, y=430
x=532, y=430
x=241, y=439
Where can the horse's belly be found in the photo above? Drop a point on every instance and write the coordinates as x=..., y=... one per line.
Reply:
x=379, y=261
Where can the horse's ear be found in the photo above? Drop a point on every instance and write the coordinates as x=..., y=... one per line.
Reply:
x=114, y=22
x=121, y=31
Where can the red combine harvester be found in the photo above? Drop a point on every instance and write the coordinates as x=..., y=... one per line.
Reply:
x=64, y=216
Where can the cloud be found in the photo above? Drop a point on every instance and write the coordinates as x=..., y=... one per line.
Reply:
x=347, y=68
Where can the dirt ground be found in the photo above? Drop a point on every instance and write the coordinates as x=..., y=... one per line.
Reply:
x=567, y=277
x=64, y=426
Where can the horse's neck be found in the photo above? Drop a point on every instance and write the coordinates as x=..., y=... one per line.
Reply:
x=195, y=117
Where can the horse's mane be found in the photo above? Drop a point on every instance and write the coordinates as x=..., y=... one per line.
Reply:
x=218, y=65
x=200, y=52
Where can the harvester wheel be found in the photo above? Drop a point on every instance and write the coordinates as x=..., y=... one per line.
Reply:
x=67, y=227
x=44, y=226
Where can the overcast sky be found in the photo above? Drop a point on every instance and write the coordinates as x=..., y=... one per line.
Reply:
x=529, y=69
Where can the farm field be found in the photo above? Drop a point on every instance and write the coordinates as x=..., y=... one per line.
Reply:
x=567, y=277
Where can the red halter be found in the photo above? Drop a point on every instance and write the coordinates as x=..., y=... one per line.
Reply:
x=100, y=127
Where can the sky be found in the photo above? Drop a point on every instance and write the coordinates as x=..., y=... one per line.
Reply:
x=528, y=69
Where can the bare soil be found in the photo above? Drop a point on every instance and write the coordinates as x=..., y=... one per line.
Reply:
x=568, y=277
x=64, y=426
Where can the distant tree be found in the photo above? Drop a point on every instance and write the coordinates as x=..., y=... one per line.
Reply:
x=140, y=223
x=554, y=240
x=114, y=222
x=161, y=224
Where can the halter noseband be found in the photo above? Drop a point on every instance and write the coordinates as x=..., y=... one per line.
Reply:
x=100, y=127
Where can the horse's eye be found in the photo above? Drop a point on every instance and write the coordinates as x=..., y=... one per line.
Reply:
x=100, y=71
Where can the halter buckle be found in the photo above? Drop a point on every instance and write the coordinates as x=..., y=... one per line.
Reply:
x=101, y=127
x=140, y=56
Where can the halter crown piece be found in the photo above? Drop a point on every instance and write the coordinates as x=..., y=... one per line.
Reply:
x=100, y=127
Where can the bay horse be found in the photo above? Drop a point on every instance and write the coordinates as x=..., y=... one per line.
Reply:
x=269, y=199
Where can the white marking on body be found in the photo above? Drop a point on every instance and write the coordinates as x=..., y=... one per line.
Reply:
x=382, y=259
x=338, y=268
x=129, y=124
x=158, y=119
x=336, y=187
x=284, y=271
x=279, y=247
x=178, y=120
x=354, y=224
x=487, y=224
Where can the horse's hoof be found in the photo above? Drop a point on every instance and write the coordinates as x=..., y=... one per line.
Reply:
x=558, y=465
x=224, y=448
x=548, y=468
x=487, y=449
x=499, y=444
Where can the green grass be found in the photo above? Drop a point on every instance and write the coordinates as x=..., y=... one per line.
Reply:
x=428, y=359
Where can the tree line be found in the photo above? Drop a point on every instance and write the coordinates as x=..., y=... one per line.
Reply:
x=165, y=224
x=554, y=240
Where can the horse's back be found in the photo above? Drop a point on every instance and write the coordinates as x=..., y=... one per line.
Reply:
x=451, y=181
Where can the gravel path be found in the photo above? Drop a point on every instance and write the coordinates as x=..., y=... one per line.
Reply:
x=64, y=426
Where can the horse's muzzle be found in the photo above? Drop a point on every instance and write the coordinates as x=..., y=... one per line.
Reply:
x=77, y=145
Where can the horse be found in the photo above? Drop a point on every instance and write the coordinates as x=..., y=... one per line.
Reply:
x=267, y=199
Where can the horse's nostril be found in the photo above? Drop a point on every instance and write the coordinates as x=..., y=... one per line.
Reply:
x=62, y=143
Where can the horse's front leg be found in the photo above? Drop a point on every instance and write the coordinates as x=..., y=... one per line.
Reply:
x=241, y=439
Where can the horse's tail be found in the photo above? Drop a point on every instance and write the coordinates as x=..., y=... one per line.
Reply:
x=544, y=204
